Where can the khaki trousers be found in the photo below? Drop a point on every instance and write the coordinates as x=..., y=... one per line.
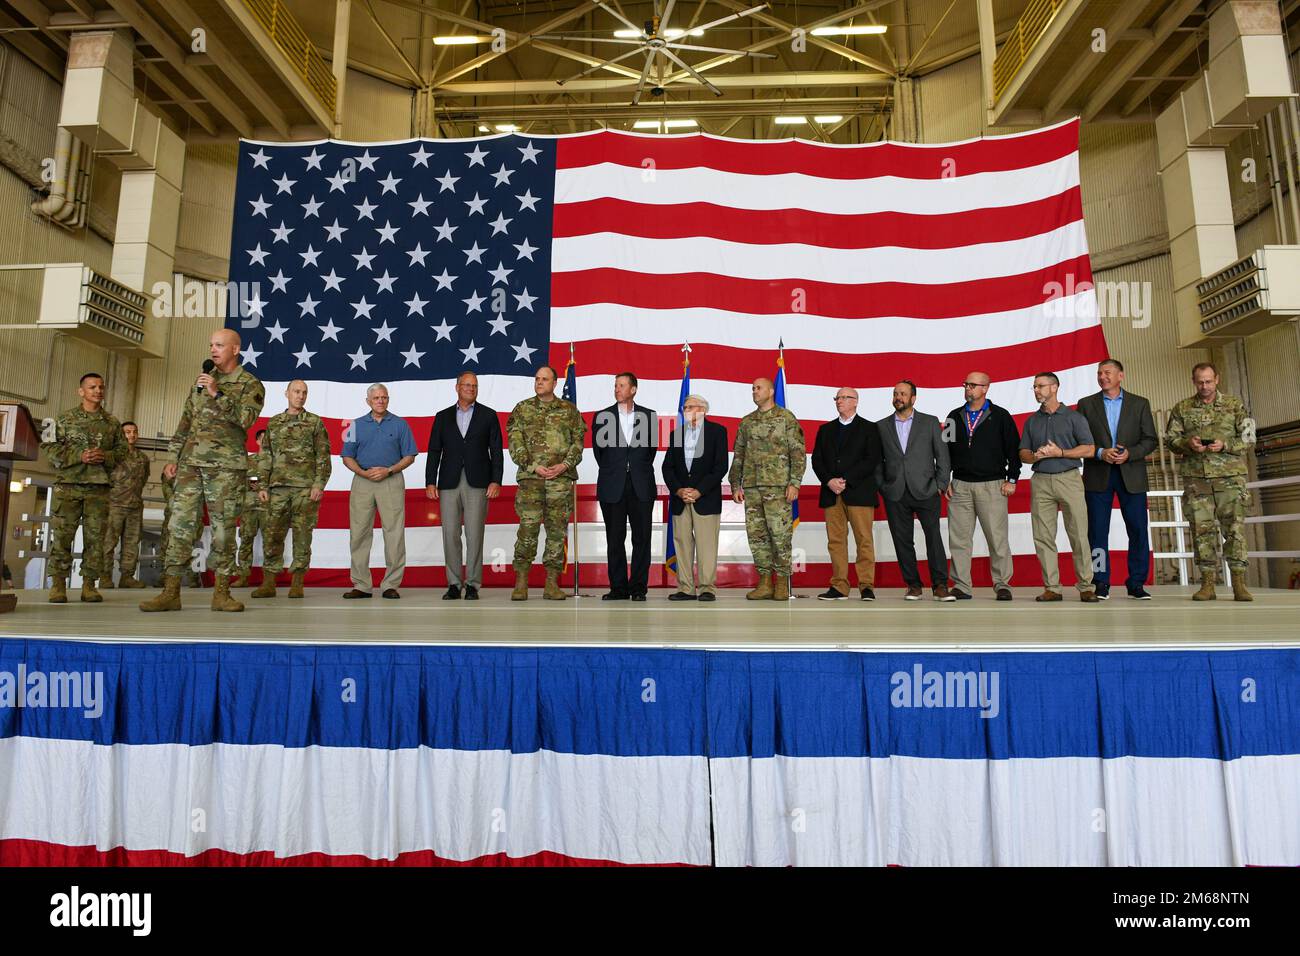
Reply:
x=695, y=536
x=839, y=517
x=982, y=501
x=1062, y=491
x=388, y=497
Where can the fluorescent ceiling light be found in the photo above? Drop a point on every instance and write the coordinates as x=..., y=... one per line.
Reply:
x=484, y=129
x=507, y=128
x=827, y=119
x=460, y=39
x=628, y=34
x=15, y=487
x=679, y=123
x=846, y=31
x=790, y=120
x=672, y=33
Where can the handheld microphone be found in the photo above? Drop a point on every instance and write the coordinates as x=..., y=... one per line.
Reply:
x=208, y=366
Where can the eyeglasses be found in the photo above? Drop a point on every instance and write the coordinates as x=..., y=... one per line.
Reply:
x=975, y=384
x=845, y=398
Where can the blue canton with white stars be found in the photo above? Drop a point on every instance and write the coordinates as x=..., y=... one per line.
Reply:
x=390, y=262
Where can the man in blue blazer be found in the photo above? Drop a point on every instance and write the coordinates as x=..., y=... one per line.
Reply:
x=463, y=472
x=695, y=466
x=624, y=441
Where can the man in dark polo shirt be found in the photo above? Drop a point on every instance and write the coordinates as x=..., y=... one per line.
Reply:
x=1055, y=442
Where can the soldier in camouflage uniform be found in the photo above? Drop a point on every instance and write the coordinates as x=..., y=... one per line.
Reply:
x=1210, y=431
x=292, y=471
x=86, y=446
x=126, y=511
x=545, y=435
x=252, y=518
x=168, y=490
x=211, y=466
x=766, y=472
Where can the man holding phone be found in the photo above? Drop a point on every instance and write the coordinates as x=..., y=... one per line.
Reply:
x=1211, y=432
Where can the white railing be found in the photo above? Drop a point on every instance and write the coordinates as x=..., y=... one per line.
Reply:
x=1179, y=524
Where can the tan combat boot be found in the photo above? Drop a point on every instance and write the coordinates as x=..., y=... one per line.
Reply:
x=1206, y=593
x=221, y=599
x=106, y=583
x=781, y=591
x=553, y=592
x=1239, y=592
x=520, y=593
x=59, y=591
x=764, y=590
x=295, y=586
x=267, y=588
x=168, y=600
x=88, y=592
x=129, y=581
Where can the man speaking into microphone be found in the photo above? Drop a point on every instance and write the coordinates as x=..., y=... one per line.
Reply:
x=210, y=467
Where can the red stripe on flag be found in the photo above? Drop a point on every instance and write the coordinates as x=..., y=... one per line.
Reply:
x=944, y=161
x=833, y=300
x=828, y=230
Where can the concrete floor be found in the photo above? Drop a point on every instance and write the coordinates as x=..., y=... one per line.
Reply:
x=1170, y=621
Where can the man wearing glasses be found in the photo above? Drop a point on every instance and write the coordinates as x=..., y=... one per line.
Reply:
x=985, y=453
x=694, y=466
x=846, y=458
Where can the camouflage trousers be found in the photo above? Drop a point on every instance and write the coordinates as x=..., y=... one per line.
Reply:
x=124, y=526
x=769, y=525
x=540, y=503
x=1214, y=506
x=78, y=504
x=288, y=508
x=222, y=490
x=164, y=538
x=251, y=521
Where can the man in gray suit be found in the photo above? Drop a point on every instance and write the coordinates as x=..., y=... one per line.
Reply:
x=916, y=472
x=1125, y=435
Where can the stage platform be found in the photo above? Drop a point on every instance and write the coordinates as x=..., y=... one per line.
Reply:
x=1170, y=621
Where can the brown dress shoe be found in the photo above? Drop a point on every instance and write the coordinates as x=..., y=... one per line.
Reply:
x=913, y=593
x=1050, y=596
x=1004, y=594
x=941, y=593
x=1089, y=597
x=391, y=594
x=356, y=594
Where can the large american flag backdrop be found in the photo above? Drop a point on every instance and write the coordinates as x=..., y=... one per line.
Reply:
x=407, y=263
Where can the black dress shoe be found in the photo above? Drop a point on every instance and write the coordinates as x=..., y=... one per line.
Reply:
x=960, y=595
x=682, y=596
x=868, y=594
x=1139, y=594
x=615, y=596
x=356, y=594
x=638, y=597
x=392, y=594
x=453, y=594
x=708, y=596
x=830, y=594
x=471, y=593
x=1004, y=594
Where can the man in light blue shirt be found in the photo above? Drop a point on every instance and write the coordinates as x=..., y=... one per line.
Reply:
x=378, y=449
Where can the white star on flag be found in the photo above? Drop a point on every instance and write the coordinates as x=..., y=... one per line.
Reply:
x=476, y=205
x=476, y=158
x=338, y=182
x=389, y=183
x=421, y=205
x=311, y=207
x=421, y=158
x=522, y=352
x=530, y=152
x=474, y=303
x=359, y=358
x=249, y=355
x=362, y=307
x=472, y=254
x=502, y=175
x=259, y=159
x=284, y=184
x=415, y=305
x=260, y=206
x=333, y=281
x=499, y=324
x=412, y=357
x=257, y=255
x=499, y=223
x=445, y=280
x=386, y=232
x=367, y=162
x=309, y=257
x=467, y=352
x=445, y=230
x=329, y=330
x=417, y=255
x=525, y=301
x=385, y=282
x=448, y=182
x=364, y=209
x=528, y=201
x=336, y=231
x=443, y=331
x=281, y=233
x=384, y=333
x=276, y=332
x=308, y=305
x=303, y=356
x=363, y=258
x=280, y=282
x=526, y=250
x=500, y=273
x=313, y=159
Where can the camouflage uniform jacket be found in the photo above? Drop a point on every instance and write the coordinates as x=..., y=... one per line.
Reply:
x=296, y=452
x=213, y=431
x=769, y=450
x=545, y=433
x=1222, y=419
x=129, y=479
x=78, y=430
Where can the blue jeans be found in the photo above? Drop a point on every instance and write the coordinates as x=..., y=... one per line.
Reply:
x=1133, y=508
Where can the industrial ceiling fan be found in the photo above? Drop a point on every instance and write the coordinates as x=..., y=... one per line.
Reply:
x=655, y=40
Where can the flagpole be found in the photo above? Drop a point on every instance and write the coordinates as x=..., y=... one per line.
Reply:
x=794, y=507
x=573, y=511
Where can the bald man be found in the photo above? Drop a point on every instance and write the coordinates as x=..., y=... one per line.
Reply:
x=985, y=455
x=210, y=465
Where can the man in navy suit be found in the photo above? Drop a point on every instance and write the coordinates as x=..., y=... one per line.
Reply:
x=463, y=471
x=695, y=465
x=625, y=438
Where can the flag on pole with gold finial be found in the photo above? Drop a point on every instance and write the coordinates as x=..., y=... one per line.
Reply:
x=779, y=397
x=670, y=550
